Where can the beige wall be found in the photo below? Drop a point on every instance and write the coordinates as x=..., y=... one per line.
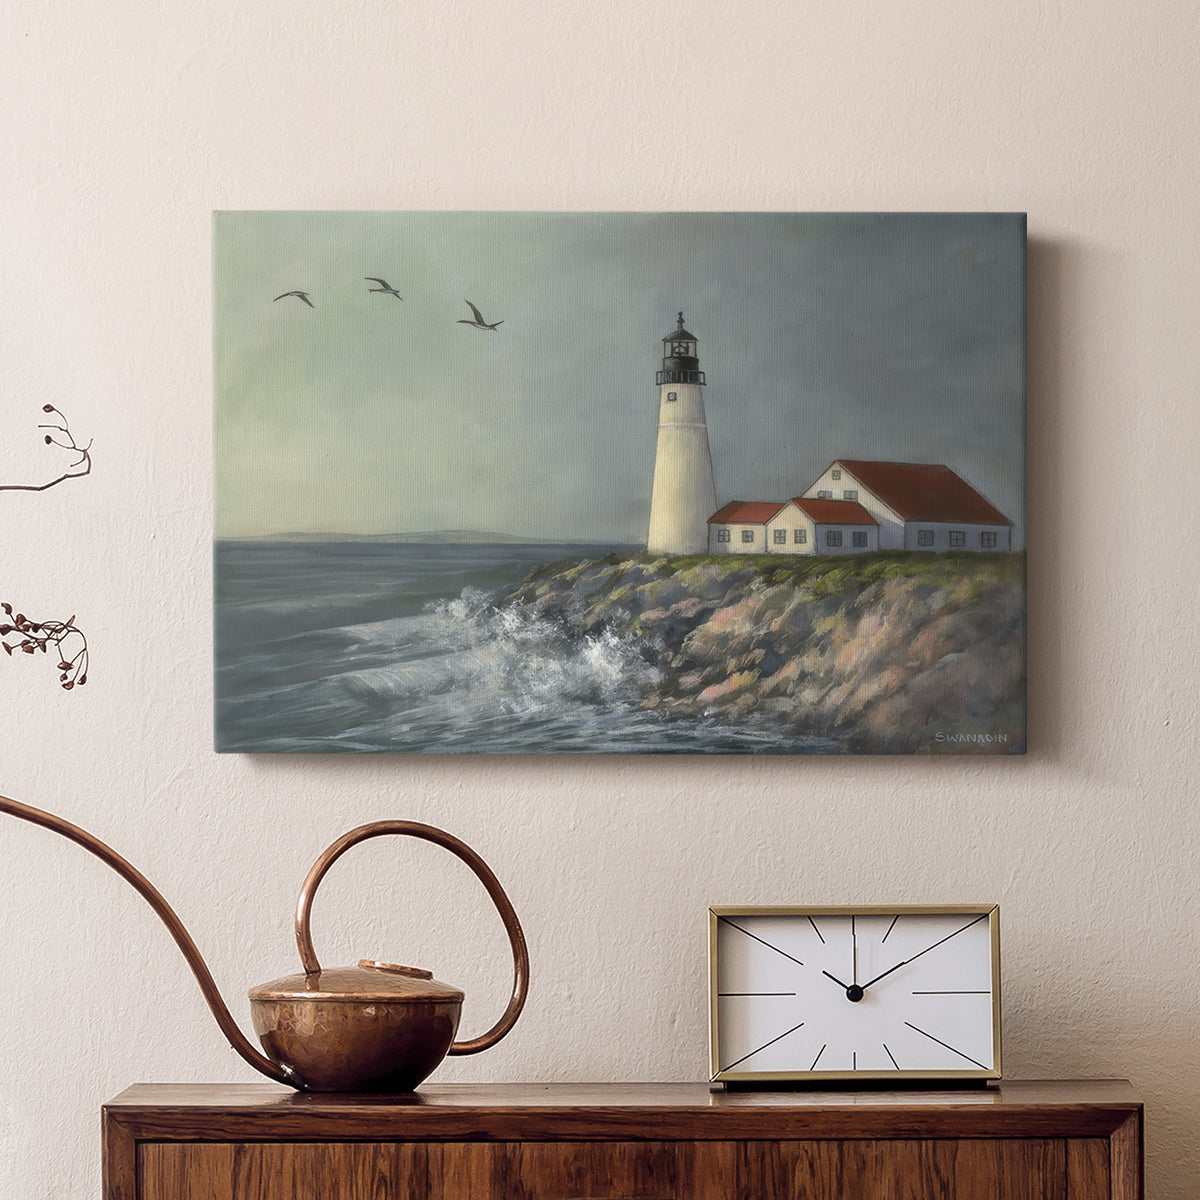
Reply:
x=126, y=123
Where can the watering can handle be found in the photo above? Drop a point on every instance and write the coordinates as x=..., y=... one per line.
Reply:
x=429, y=833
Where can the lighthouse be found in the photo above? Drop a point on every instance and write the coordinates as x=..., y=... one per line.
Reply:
x=684, y=494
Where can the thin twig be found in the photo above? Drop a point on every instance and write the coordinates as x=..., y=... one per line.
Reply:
x=72, y=472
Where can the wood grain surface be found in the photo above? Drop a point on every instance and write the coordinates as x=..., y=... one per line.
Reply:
x=523, y=1112
x=906, y=1169
x=433, y=1171
x=1048, y=1140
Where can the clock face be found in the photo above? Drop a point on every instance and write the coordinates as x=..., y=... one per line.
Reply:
x=859, y=993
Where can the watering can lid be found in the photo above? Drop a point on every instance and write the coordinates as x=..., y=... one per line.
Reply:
x=369, y=981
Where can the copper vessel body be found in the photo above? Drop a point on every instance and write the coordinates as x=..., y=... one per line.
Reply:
x=352, y=1046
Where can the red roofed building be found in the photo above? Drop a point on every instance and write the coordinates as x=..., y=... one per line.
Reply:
x=799, y=526
x=918, y=506
x=740, y=527
x=834, y=512
x=856, y=506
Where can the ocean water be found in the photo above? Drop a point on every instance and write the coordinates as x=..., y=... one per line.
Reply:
x=340, y=647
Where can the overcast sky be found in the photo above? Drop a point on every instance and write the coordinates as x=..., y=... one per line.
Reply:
x=895, y=337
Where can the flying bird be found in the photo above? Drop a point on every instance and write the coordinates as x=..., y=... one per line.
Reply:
x=384, y=286
x=303, y=296
x=479, y=322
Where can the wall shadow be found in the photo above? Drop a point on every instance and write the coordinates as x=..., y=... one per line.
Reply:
x=1050, y=267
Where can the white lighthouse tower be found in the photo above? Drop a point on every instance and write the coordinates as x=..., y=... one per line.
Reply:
x=684, y=495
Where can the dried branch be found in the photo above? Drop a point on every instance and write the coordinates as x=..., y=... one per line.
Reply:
x=31, y=636
x=69, y=443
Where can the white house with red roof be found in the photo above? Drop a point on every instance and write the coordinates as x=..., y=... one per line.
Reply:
x=797, y=526
x=740, y=527
x=918, y=506
x=856, y=506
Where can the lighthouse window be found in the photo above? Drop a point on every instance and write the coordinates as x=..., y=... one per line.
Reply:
x=672, y=396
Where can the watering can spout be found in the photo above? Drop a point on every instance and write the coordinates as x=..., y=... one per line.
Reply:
x=220, y=1011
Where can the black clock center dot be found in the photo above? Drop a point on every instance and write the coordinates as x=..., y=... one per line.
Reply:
x=854, y=993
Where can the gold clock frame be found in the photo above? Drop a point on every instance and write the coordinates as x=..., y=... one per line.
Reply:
x=716, y=912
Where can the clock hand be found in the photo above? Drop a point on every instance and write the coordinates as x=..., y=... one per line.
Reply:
x=925, y=951
x=889, y=971
x=853, y=992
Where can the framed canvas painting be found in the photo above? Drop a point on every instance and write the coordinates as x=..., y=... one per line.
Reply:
x=704, y=483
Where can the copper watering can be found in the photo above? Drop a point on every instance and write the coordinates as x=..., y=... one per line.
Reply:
x=373, y=1027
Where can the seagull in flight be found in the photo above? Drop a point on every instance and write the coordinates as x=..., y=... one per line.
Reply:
x=384, y=286
x=479, y=322
x=303, y=296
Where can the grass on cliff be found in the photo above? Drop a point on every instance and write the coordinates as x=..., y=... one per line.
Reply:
x=848, y=572
x=819, y=575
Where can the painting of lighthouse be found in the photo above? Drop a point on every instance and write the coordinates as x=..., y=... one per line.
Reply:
x=595, y=483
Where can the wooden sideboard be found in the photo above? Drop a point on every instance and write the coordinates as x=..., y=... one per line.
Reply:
x=1036, y=1140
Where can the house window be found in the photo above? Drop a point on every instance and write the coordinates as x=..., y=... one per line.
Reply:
x=836, y=474
x=823, y=495
x=672, y=396
x=987, y=541
x=859, y=540
x=924, y=537
x=780, y=537
x=747, y=535
x=800, y=536
x=850, y=494
x=722, y=534
x=958, y=537
x=833, y=537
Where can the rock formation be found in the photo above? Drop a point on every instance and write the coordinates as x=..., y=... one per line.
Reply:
x=890, y=653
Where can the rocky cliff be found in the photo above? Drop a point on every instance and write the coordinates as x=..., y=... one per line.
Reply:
x=887, y=653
